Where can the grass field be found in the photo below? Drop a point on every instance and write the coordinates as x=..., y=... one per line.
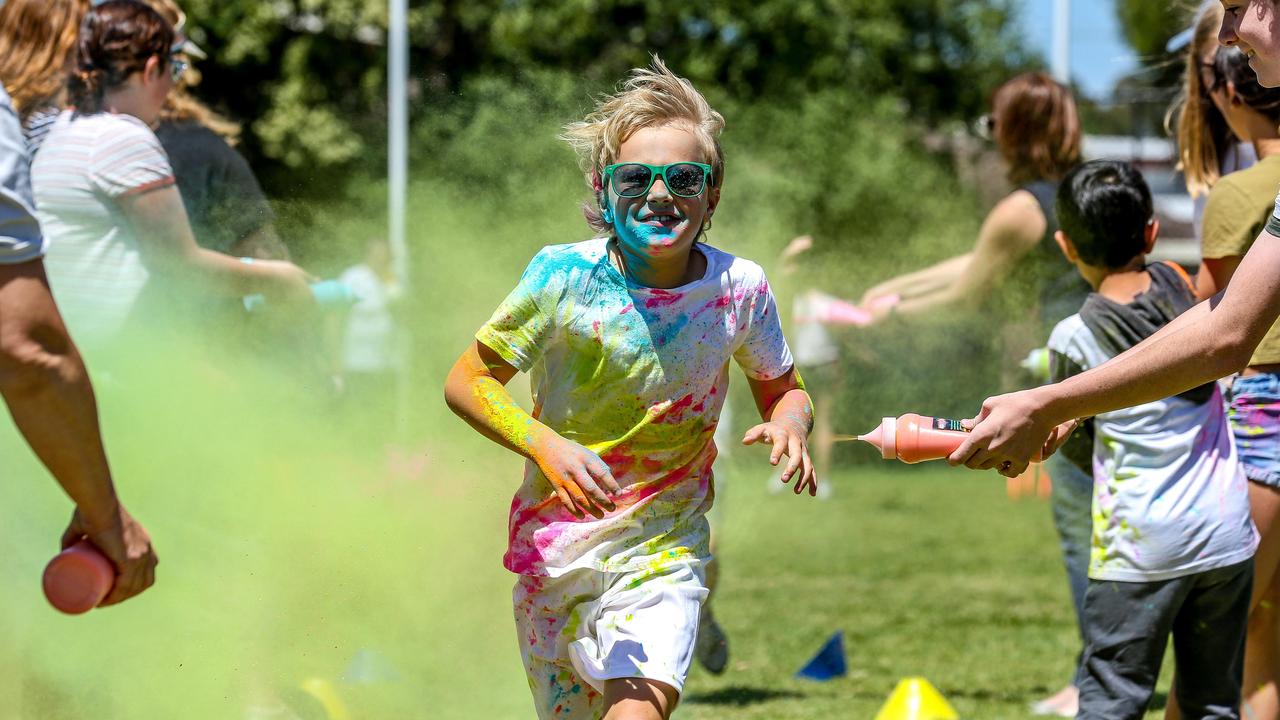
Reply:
x=286, y=550
x=291, y=542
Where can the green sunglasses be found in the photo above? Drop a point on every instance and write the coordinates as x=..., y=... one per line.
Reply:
x=683, y=179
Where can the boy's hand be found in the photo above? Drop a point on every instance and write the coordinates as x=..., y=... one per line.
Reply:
x=789, y=439
x=580, y=478
x=1058, y=437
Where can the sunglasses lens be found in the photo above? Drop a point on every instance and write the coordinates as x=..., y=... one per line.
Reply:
x=685, y=179
x=631, y=180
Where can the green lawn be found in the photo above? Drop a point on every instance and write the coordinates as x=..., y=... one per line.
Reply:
x=285, y=552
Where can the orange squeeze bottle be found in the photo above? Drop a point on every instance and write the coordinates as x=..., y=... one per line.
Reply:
x=78, y=578
x=914, y=438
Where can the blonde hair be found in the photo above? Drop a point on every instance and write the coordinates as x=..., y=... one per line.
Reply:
x=37, y=39
x=650, y=97
x=180, y=105
x=1202, y=132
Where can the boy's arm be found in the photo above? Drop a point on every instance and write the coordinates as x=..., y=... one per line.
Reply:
x=788, y=417
x=476, y=391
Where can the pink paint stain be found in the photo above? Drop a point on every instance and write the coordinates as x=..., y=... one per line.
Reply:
x=662, y=298
x=619, y=461
x=675, y=413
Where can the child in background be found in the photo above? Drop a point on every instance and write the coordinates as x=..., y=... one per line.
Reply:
x=627, y=338
x=1173, y=543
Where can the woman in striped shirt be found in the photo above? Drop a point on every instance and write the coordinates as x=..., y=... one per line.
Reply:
x=105, y=191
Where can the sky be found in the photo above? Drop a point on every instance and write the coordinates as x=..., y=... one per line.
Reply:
x=1099, y=53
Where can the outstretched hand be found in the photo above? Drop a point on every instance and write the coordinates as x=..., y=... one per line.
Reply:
x=580, y=478
x=789, y=439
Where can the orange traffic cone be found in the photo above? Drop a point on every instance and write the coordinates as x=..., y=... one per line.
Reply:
x=915, y=699
x=1034, y=481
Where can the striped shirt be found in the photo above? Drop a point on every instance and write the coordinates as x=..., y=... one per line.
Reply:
x=37, y=128
x=88, y=163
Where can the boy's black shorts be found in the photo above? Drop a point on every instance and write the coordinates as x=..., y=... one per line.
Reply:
x=1127, y=626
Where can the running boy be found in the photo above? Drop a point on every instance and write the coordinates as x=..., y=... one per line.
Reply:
x=1173, y=543
x=627, y=338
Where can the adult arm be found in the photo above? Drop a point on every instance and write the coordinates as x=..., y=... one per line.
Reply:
x=476, y=392
x=1213, y=339
x=1229, y=226
x=1214, y=274
x=788, y=419
x=921, y=282
x=263, y=244
x=168, y=247
x=47, y=390
x=1010, y=231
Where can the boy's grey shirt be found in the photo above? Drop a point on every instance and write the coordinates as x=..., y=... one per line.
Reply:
x=1170, y=497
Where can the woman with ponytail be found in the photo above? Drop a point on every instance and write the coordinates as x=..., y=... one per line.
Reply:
x=105, y=190
x=1207, y=149
x=1236, y=212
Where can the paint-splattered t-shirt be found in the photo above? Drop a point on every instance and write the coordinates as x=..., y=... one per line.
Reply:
x=1169, y=494
x=638, y=375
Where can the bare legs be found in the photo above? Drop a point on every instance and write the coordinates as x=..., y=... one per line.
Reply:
x=638, y=699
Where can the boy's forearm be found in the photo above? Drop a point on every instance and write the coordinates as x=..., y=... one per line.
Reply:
x=794, y=407
x=485, y=405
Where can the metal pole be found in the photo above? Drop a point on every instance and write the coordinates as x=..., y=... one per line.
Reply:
x=1060, y=62
x=398, y=133
x=397, y=191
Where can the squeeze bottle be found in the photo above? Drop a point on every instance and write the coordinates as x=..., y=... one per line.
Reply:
x=78, y=578
x=914, y=438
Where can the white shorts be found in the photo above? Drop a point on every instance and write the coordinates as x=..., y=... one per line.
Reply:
x=585, y=627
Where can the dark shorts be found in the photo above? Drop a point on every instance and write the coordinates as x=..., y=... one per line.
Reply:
x=1254, y=412
x=1127, y=626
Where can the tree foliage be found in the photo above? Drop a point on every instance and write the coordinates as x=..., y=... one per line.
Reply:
x=309, y=75
x=1149, y=24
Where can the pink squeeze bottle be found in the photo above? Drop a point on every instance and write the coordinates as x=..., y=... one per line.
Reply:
x=914, y=438
x=78, y=578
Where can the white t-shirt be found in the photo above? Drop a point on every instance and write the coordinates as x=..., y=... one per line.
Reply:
x=812, y=342
x=637, y=375
x=87, y=164
x=1170, y=497
x=369, y=339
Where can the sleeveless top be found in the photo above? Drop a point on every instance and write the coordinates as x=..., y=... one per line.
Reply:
x=1045, y=275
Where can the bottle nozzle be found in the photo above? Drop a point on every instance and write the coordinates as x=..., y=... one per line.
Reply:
x=884, y=437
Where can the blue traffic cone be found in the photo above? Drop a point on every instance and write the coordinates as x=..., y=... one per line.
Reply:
x=828, y=663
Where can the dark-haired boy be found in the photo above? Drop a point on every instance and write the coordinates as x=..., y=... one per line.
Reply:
x=1173, y=543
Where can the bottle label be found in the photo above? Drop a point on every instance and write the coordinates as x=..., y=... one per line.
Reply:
x=945, y=424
